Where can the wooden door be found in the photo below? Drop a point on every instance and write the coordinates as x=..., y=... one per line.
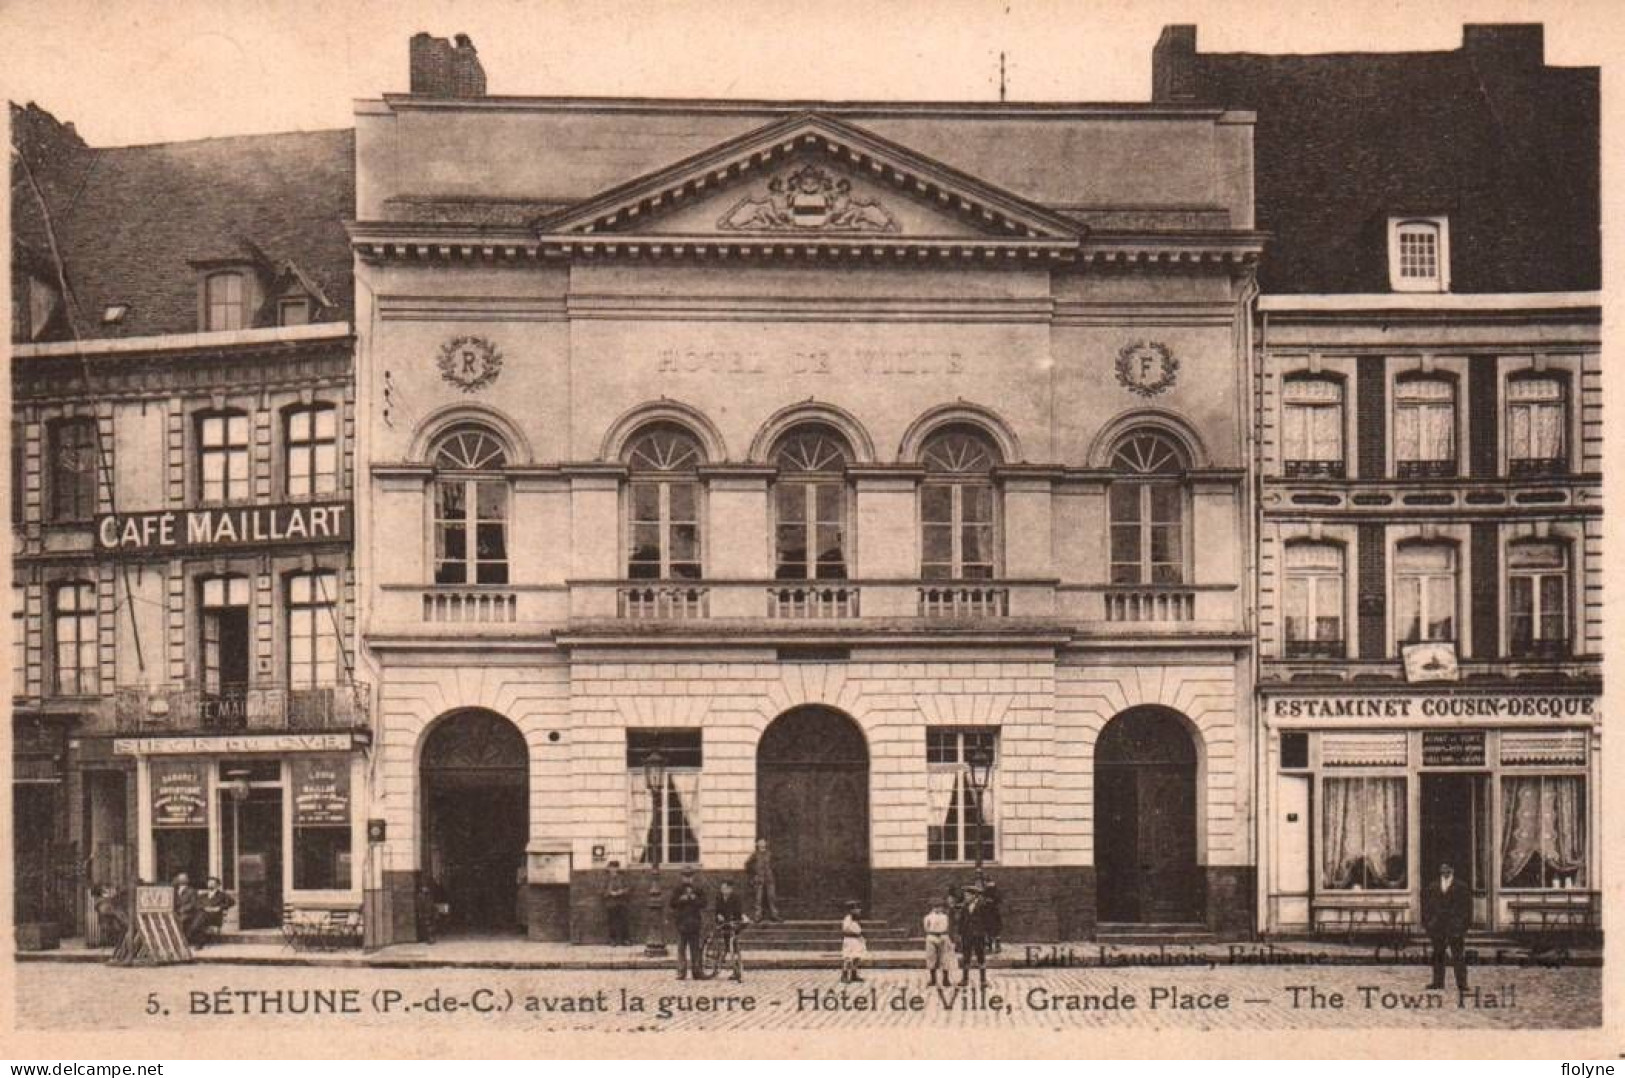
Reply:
x=812, y=806
x=1167, y=843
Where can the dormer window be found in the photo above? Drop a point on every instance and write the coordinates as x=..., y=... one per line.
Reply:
x=293, y=311
x=1419, y=254
x=225, y=301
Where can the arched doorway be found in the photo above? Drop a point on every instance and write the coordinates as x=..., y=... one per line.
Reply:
x=1145, y=820
x=475, y=772
x=812, y=806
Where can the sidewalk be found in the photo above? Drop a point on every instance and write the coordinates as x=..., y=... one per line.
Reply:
x=514, y=953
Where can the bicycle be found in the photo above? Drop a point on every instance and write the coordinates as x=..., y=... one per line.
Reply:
x=720, y=949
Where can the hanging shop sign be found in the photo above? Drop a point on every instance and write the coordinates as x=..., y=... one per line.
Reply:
x=180, y=793
x=321, y=791
x=223, y=529
x=1452, y=748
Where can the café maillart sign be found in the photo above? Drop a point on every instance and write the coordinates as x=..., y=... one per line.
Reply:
x=223, y=528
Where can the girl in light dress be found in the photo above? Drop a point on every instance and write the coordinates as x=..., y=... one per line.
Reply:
x=853, y=949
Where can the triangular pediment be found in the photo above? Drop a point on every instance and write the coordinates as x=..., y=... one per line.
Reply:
x=811, y=177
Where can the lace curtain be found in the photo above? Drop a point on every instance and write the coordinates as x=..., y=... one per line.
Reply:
x=951, y=834
x=1365, y=833
x=681, y=819
x=1312, y=421
x=1425, y=420
x=1542, y=831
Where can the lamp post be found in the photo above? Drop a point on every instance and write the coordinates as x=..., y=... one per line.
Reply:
x=979, y=769
x=239, y=793
x=654, y=777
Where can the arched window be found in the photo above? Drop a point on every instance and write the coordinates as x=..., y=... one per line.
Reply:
x=311, y=450
x=957, y=506
x=1313, y=600
x=222, y=448
x=1538, y=599
x=1425, y=427
x=1312, y=426
x=1425, y=592
x=809, y=502
x=1147, y=506
x=663, y=504
x=470, y=507
x=1537, y=424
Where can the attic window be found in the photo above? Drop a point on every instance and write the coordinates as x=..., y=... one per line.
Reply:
x=1419, y=254
x=293, y=311
x=225, y=301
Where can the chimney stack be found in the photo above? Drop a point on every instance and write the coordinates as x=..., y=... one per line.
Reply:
x=1173, y=65
x=442, y=68
x=1510, y=46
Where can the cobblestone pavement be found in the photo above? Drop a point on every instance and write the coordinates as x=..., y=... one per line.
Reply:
x=208, y=998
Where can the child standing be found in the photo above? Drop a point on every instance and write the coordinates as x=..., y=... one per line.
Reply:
x=937, y=947
x=852, y=946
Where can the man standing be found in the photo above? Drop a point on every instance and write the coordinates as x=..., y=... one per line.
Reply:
x=1447, y=911
x=973, y=936
x=688, y=911
x=759, y=869
x=186, y=906
x=617, y=897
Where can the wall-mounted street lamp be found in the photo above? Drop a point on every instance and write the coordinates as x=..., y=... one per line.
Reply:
x=654, y=778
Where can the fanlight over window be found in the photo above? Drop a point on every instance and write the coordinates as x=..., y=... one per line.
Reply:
x=664, y=448
x=469, y=448
x=1148, y=453
x=811, y=449
x=958, y=451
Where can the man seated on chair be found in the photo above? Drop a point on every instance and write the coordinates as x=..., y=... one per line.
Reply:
x=212, y=905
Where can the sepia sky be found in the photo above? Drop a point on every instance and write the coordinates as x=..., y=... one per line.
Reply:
x=135, y=72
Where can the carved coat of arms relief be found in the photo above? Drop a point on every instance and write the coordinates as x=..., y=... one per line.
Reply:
x=808, y=199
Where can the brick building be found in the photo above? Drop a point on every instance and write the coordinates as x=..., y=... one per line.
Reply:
x=817, y=448
x=1429, y=456
x=182, y=446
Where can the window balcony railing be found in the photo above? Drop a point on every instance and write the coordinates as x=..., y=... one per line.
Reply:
x=1313, y=469
x=1536, y=467
x=964, y=601
x=812, y=602
x=663, y=601
x=1549, y=648
x=1426, y=469
x=1316, y=649
x=1150, y=604
x=445, y=605
x=188, y=708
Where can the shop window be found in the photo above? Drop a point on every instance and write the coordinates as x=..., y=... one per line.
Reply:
x=311, y=450
x=73, y=469
x=180, y=819
x=322, y=826
x=669, y=833
x=1147, y=504
x=1543, y=831
x=1425, y=427
x=1419, y=254
x=222, y=446
x=809, y=501
x=1425, y=589
x=1312, y=427
x=1537, y=425
x=1538, y=599
x=663, y=505
x=1364, y=837
x=73, y=628
x=225, y=301
x=313, y=631
x=951, y=836
x=1313, y=600
x=958, y=506
x=470, y=507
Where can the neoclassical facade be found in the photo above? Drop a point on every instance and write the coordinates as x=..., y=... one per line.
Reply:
x=815, y=450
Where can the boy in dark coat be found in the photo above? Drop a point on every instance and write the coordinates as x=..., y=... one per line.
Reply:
x=688, y=911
